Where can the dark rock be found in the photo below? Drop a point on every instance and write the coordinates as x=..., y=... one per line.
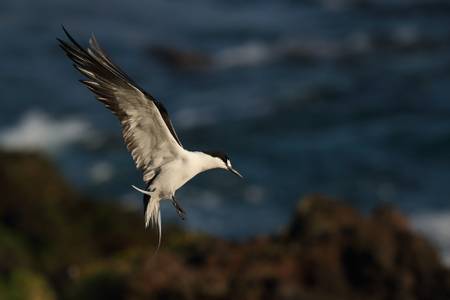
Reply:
x=181, y=59
x=375, y=255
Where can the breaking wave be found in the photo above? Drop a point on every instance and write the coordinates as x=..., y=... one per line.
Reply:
x=436, y=226
x=37, y=131
x=253, y=53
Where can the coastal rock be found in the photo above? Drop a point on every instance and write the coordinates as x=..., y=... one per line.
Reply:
x=70, y=247
x=377, y=254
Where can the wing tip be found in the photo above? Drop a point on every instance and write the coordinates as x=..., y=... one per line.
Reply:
x=71, y=39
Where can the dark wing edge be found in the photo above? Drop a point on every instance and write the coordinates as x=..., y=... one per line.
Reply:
x=104, y=77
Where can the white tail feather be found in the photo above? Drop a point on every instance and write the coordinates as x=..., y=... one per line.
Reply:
x=152, y=213
x=142, y=191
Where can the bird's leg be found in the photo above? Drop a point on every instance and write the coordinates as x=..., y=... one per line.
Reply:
x=180, y=210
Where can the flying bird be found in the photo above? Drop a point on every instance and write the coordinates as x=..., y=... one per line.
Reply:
x=146, y=128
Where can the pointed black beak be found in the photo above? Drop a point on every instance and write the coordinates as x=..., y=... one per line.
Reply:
x=235, y=172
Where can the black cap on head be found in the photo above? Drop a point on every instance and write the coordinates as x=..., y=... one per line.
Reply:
x=222, y=156
x=218, y=154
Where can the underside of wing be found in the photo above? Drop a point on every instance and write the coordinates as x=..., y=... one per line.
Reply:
x=147, y=129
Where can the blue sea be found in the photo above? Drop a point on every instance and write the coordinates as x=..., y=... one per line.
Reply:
x=345, y=98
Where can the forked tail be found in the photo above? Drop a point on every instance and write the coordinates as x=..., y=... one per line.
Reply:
x=152, y=212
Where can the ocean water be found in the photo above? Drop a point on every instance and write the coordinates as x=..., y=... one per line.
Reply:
x=346, y=98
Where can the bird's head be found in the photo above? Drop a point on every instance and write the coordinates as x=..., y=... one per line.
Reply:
x=223, y=161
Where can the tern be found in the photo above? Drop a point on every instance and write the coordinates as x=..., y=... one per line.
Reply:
x=146, y=128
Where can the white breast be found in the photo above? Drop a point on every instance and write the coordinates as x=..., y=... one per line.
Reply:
x=177, y=172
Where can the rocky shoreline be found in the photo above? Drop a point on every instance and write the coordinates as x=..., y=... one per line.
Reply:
x=58, y=244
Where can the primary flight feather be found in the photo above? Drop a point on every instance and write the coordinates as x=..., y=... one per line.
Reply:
x=146, y=128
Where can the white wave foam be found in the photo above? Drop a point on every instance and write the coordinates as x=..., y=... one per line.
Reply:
x=257, y=53
x=37, y=131
x=248, y=54
x=436, y=226
x=254, y=53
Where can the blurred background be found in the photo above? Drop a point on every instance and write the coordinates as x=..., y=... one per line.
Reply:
x=345, y=98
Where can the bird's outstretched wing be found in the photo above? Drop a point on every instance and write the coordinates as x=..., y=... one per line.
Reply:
x=146, y=127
